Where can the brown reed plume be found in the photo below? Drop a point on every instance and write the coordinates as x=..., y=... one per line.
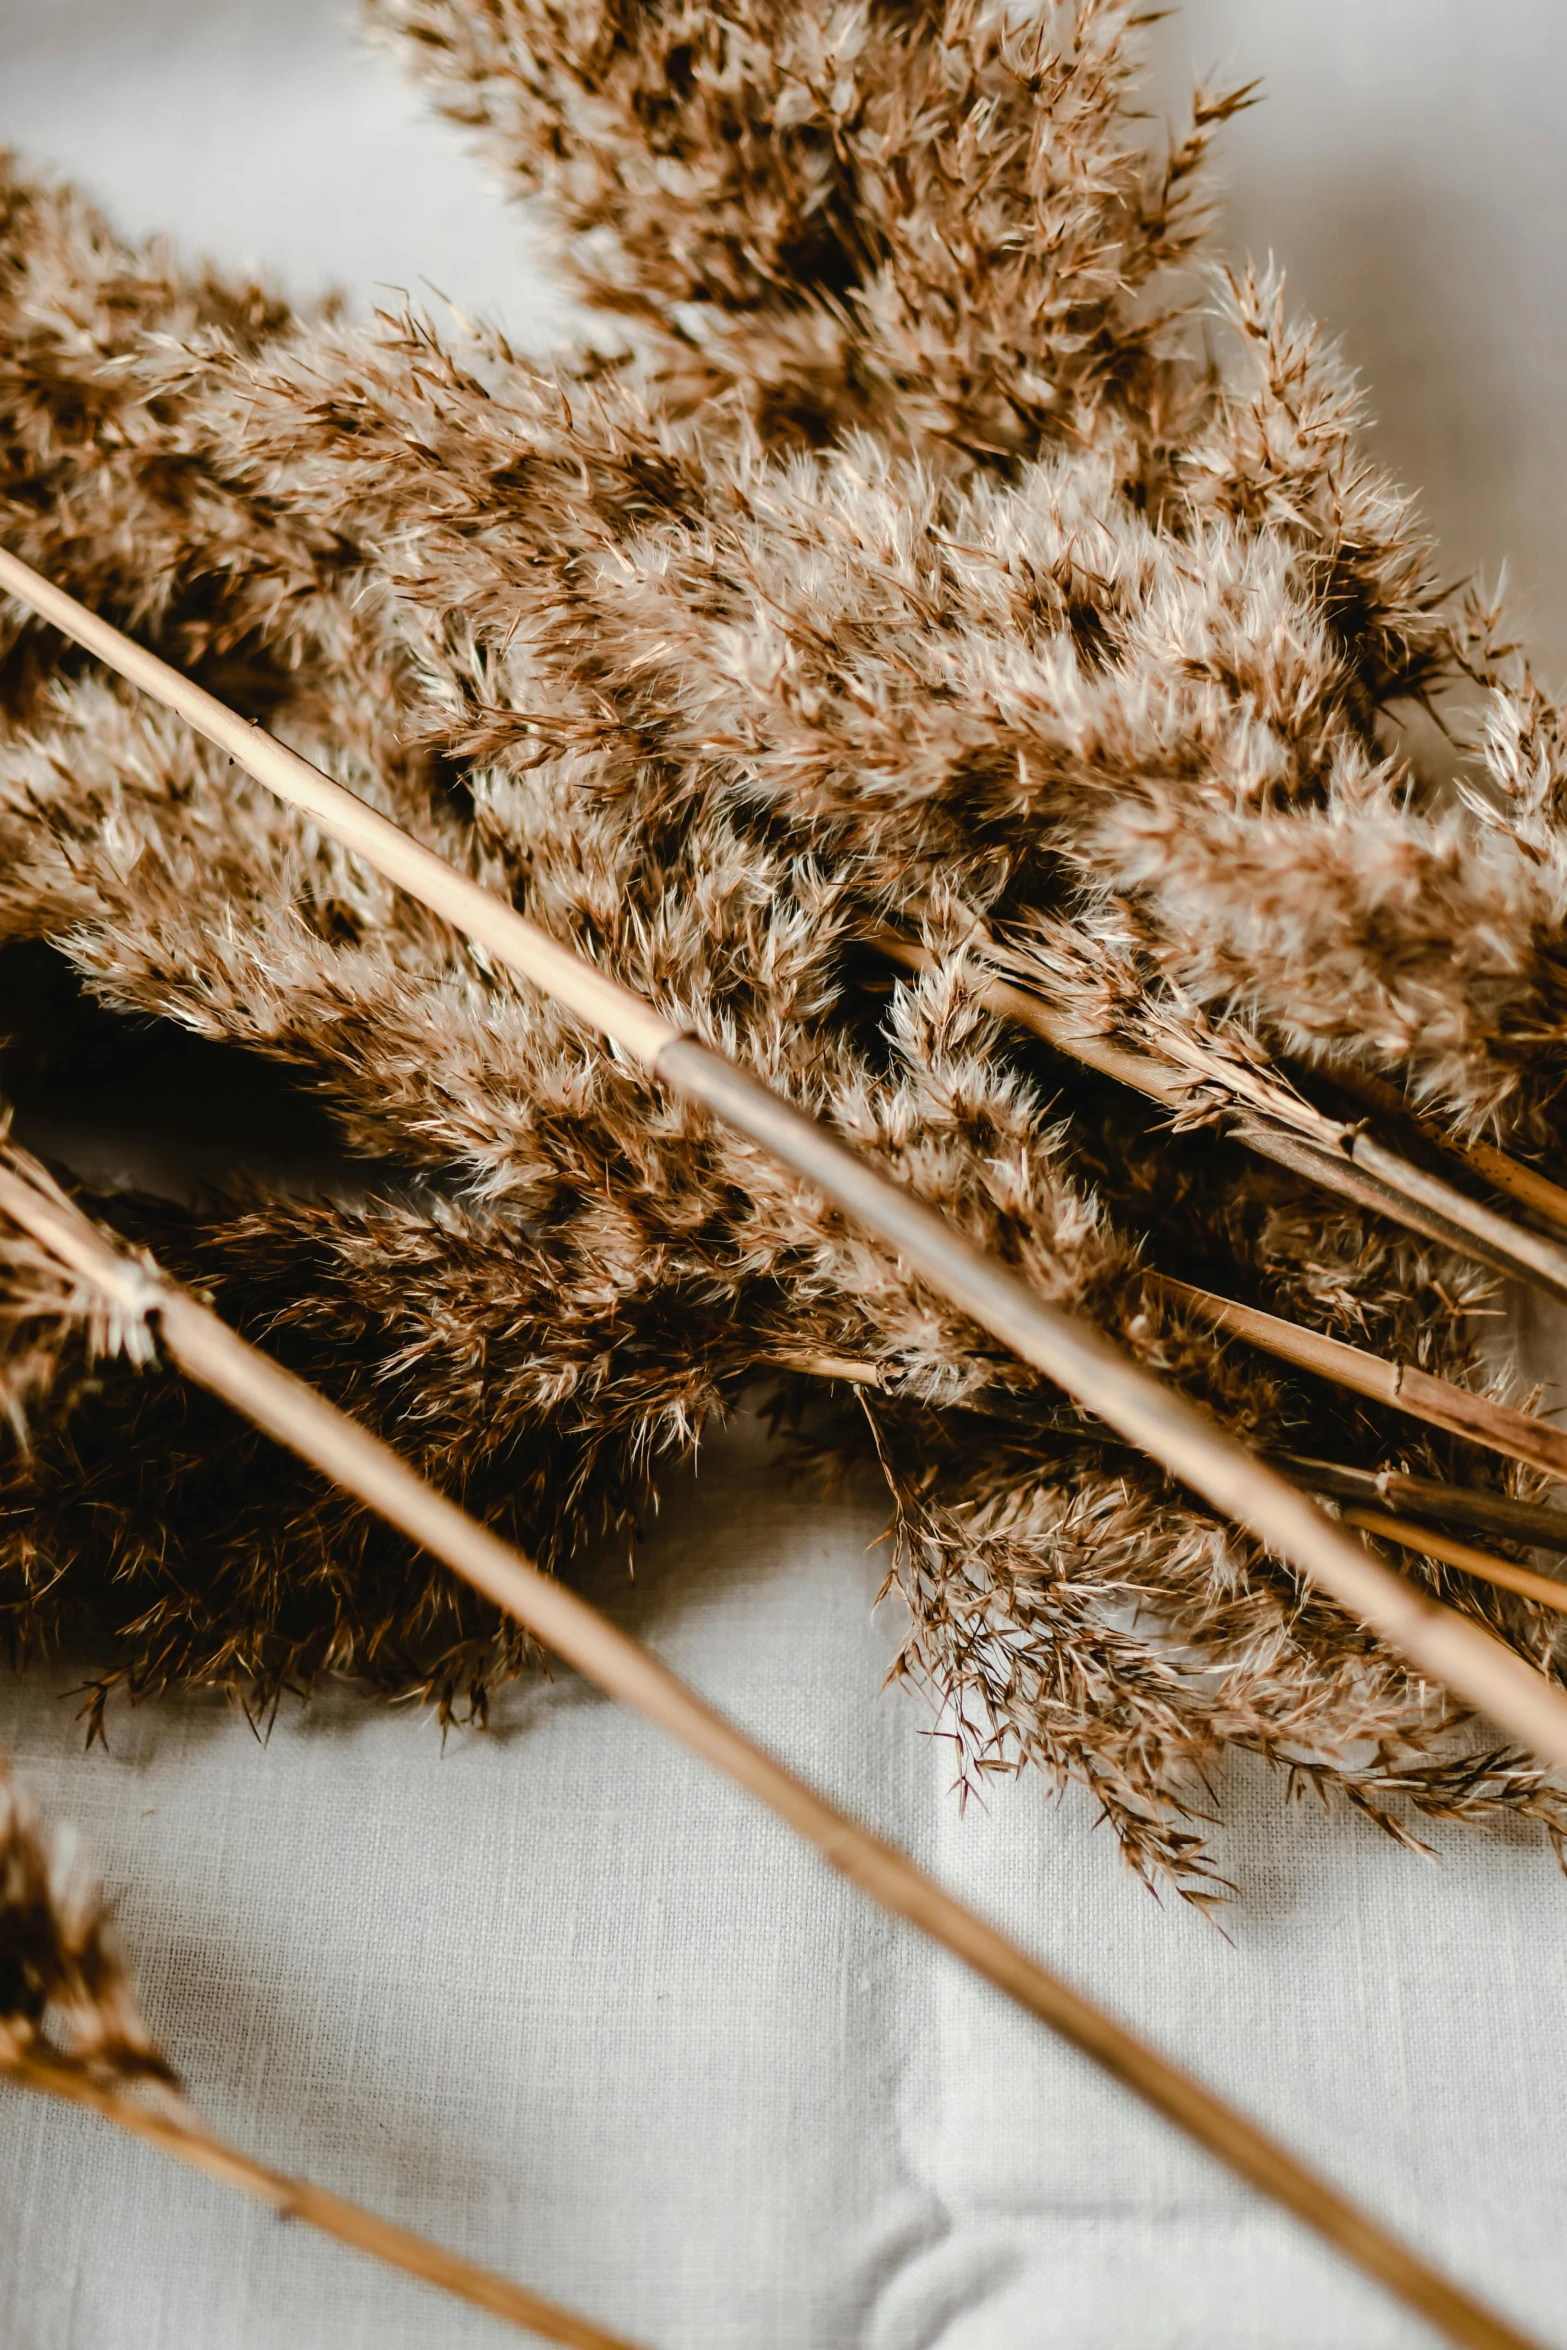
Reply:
x=893, y=561
x=119, y=1292
x=71, y=2026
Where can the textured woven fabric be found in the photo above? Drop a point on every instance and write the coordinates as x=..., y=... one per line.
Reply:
x=559, y=1998
x=553, y=1995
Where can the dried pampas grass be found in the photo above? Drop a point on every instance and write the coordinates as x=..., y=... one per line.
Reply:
x=888, y=561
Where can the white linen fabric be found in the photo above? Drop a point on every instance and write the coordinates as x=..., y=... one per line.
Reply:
x=555, y=1996
x=558, y=1997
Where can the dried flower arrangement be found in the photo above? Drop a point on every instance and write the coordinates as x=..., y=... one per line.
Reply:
x=887, y=659
x=884, y=578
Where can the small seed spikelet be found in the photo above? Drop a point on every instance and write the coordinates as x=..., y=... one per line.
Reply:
x=64, y=1987
x=880, y=555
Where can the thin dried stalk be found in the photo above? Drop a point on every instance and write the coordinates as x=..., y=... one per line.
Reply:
x=1438, y=1402
x=1544, y=1590
x=1537, y=1526
x=1266, y=1115
x=190, y=2142
x=1452, y=1650
x=1452, y=1408
x=811, y=1364
x=1497, y=1514
x=1531, y=1190
x=296, y=1416
x=1526, y=1185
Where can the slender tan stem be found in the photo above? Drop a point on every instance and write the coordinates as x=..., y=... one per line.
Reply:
x=1470, y=1507
x=814, y=1365
x=1341, y=1159
x=1543, y=1589
x=1492, y=1239
x=1159, y=1081
x=1483, y=1160
x=190, y=2142
x=1492, y=1513
x=1520, y=1182
x=1436, y=1401
x=1439, y=1642
x=296, y=1416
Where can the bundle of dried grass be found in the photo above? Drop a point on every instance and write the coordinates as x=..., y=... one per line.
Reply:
x=892, y=563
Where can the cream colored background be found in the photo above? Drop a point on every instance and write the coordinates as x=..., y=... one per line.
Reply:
x=554, y=1996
